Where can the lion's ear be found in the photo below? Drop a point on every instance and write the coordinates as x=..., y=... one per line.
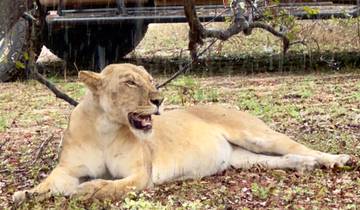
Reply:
x=91, y=79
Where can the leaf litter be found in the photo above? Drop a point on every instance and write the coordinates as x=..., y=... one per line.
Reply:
x=321, y=110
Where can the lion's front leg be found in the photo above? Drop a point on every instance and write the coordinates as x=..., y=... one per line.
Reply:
x=110, y=189
x=60, y=181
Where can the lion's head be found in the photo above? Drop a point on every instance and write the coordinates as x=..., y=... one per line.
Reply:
x=126, y=94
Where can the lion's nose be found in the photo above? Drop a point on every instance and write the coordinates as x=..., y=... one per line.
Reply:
x=157, y=102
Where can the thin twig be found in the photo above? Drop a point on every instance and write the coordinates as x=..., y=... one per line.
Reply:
x=41, y=148
x=76, y=67
x=218, y=15
x=3, y=144
x=4, y=171
x=286, y=41
x=14, y=171
x=186, y=67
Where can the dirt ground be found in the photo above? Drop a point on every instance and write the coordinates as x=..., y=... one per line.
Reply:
x=320, y=109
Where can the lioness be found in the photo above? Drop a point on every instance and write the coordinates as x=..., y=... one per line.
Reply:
x=117, y=133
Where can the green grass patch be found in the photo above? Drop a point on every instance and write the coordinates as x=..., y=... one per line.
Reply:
x=76, y=90
x=3, y=124
x=187, y=89
x=265, y=108
x=259, y=191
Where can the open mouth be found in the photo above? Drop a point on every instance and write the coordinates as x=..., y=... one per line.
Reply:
x=139, y=121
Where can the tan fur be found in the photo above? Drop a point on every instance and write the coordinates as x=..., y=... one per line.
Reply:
x=186, y=143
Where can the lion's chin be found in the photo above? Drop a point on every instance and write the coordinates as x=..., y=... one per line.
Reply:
x=142, y=135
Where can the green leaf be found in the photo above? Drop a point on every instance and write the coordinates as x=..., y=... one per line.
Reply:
x=276, y=1
x=26, y=56
x=346, y=168
x=311, y=11
x=19, y=65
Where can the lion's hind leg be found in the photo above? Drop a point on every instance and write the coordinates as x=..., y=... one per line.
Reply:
x=248, y=132
x=266, y=141
x=242, y=158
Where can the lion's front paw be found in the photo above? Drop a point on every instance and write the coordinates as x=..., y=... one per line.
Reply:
x=20, y=196
x=98, y=189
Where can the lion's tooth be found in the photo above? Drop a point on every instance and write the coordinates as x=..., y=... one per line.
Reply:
x=145, y=122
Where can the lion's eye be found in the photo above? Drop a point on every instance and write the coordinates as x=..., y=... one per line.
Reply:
x=131, y=83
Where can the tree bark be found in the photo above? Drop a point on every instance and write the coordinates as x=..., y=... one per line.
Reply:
x=197, y=32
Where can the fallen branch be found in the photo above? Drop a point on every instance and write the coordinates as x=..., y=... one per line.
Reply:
x=52, y=88
x=41, y=148
x=34, y=38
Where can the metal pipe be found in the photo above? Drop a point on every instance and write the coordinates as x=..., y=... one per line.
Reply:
x=127, y=19
x=121, y=7
x=61, y=7
x=165, y=15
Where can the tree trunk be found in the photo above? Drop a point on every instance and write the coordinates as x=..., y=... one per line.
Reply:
x=10, y=12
